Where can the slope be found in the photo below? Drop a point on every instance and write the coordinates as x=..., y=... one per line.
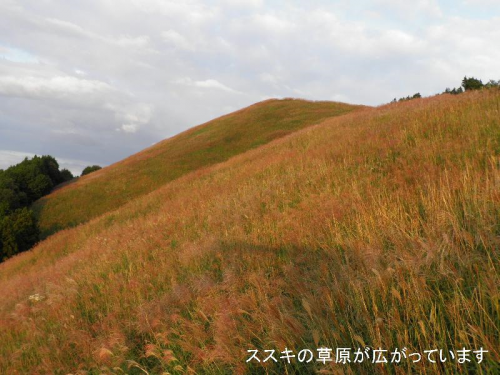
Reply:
x=379, y=228
x=198, y=147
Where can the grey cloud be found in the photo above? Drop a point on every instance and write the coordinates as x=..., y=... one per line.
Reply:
x=57, y=87
x=101, y=79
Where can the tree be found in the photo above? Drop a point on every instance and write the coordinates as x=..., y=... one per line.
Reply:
x=35, y=177
x=471, y=84
x=50, y=167
x=90, y=169
x=18, y=232
x=492, y=83
x=39, y=186
x=66, y=175
x=455, y=91
x=414, y=96
x=10, y=196
x=21, y=185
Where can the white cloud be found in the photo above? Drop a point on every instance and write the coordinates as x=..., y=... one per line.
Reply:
x=8, y=158
x=109, y=78
x=206, y=84
x=79, y=93
x=67, y=28
x=131, y=117
x=484, y=3
x=128, y=41
x=213, y=84
x=271, y=23
x=122, y=40
x=413, y=8
x=194, y=12
x=177, y=40
x=59, y=87
x=243, y=3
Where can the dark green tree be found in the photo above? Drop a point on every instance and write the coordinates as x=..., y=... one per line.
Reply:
x=39, y=185
x=21, y=185
x=471, y=84
x=90, y=169
x=414, y=96
x=455, y=91
x=10, y=196
x=50, y=167
x=66, y=175
x=18, y=232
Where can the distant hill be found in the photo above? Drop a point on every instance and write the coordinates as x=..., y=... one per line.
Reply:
x=374, y=229
x=199, y=147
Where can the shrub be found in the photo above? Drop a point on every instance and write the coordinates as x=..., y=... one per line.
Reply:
x=492, y=83
x=66, y=175
x=90, y=169
x=18, y=232
x=10, y=196
x=21, y=185
x=471, y=84
x=414, y=96
x=39, y=186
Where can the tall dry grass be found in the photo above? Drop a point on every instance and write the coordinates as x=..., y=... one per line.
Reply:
x=198, y=147
x=379, y=228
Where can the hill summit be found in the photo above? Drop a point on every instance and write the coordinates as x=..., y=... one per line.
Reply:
x=374, y=231
x=196, y=148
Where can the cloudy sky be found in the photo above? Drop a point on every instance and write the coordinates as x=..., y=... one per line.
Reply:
x=93, y=81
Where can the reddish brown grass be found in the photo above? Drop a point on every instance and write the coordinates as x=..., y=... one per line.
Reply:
x=379, y=228
x=196, y=148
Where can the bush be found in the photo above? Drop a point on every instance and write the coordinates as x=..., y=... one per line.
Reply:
x=39, y=186
x=18, y=232
x=414, y=96
x=90, y=169
x=492, y=83
x=10, y=196
x=21, y=185
x=50, y=167
x=66, y=175
x=455, y=91
x=471, y=84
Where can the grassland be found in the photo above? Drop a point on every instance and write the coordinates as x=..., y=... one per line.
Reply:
x=199, y=147
x=380, y=227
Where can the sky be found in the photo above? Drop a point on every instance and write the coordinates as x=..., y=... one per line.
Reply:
x=94, y=81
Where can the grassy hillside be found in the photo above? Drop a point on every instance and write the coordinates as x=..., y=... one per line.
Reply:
x=198, y=147
x=378, y=228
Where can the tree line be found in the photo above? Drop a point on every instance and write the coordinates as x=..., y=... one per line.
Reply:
x=20, y=186
x=468, y=84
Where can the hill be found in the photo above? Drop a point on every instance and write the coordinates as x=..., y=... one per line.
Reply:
x=195, y=148
x=377, y=228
